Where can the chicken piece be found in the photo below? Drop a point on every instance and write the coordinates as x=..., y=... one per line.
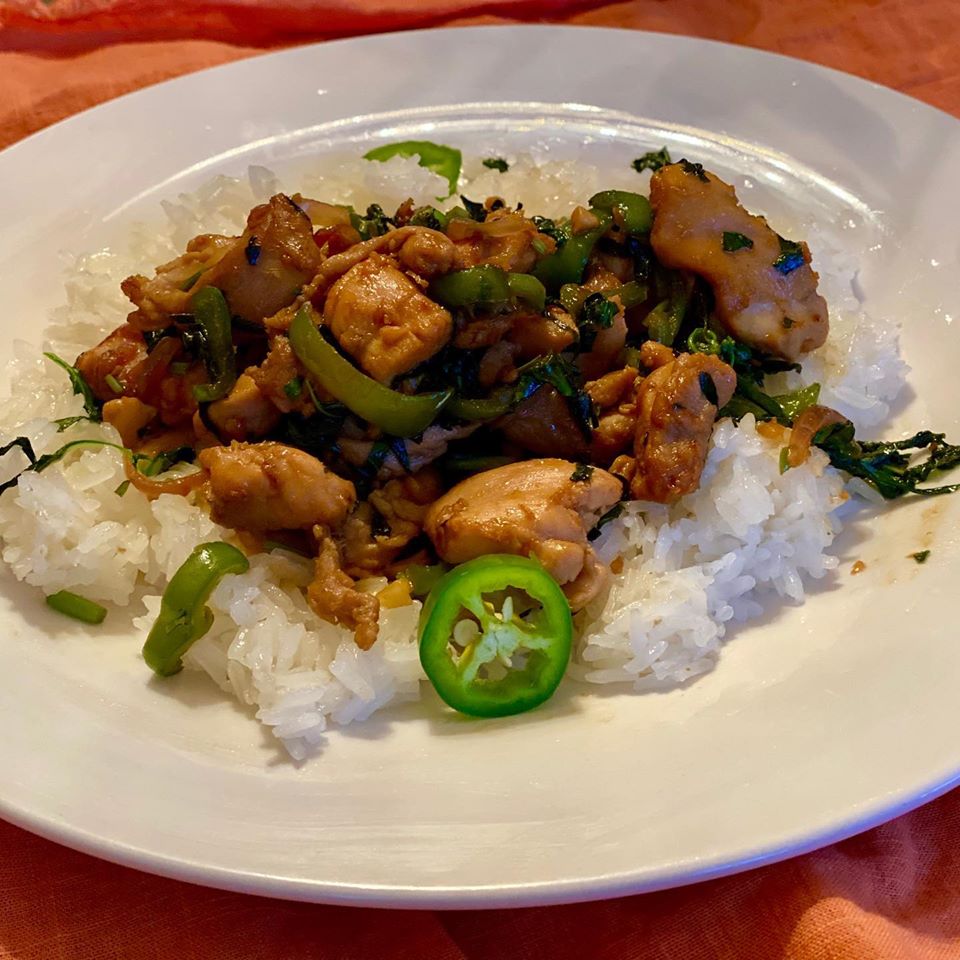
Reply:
x=259, y=272
x=505, y=239
x=383, y=319
x=615, y=395
x=122, y=356
x=543, y=424
x=677, y=407
x=536, y=334
x=118, y=355
x=128, y=416
x=378, y=530
x=531, y=508
x=765, y=290
x=244, y=412
x=269, y=486
x=427, y=253
x=159, y=297
x=334, y=597
x=654, y=355
x=431, y=446
x=278, y=370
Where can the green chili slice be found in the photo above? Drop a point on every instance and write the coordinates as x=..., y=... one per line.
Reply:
x=442, y=160
x=570, y=260
x=210, y=310
x=184, y=617
x=73, y=605
x=487, y=286
x=632, y=208
x=398, y=414
x=499, y=662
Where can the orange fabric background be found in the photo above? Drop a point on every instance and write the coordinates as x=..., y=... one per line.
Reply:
x=893, y=892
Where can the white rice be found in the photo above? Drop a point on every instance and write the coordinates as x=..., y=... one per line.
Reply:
x=688, y=571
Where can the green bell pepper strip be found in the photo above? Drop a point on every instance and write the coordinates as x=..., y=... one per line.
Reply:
x=442, y=160
x=73, y=605
x=528, y=290
x=634, y=209
x=210, y=310
x=544, y=638
x=184, y=617
x=487, y=286
x=398, y=414
x=569, y=262
x=663, y=322
x=629, y=294
x=483, y=408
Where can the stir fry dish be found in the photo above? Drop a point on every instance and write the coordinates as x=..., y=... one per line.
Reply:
x=460, y=400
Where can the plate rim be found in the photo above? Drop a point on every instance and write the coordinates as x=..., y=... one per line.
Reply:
x=451, y=897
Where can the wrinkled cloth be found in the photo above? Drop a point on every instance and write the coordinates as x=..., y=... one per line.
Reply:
x=893, y=892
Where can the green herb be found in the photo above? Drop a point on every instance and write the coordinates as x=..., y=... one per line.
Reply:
x=653, y=160
x=556, y=371
x=596, y=314
x=429, y=217
x=64, y=423
x=791, y=256
x=539, y=246
x=610, y=515
x=784, y=460
x=885, y=465
x=496, y=163
x=795, y=402
x=190, y=281
x=559, y=233
x=709, y=389
x=73, y=605
x=582, y=473
x=122, y=488
x=113, y=383
x=703, y=340
x=444, y=161
x=476, y=211
x=293, y=388
x=921, y=556
x=736, y=241
x=374, y=224
x=212, y=316
x=80, y=386
x=695, y=170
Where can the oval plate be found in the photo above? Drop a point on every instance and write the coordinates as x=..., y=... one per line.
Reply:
x=818, y=722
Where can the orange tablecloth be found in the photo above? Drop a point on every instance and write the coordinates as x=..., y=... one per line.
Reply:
x=893, y=892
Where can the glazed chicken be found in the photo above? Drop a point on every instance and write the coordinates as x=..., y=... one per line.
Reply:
x=546, y=393
x=533, y=508
x=765, y=288
x=259, y=272
x=269, y=486
x=677, y=406
x=384, y=320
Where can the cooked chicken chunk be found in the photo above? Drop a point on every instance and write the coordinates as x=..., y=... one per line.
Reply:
x=157, y=298
x=244, y=413
x=615, y=396
x=269, y=486
x=505, y=239
x=766, y=292
x=536, y=334
x=677, y=407
x=274, y=376
x=533, y=508
x=376, y=532
x=259, y=272
x=118, y=355
x=335, y=597
x=384, y=320
x=128, y=416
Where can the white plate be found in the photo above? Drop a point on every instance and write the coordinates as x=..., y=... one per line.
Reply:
x=817, y=723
